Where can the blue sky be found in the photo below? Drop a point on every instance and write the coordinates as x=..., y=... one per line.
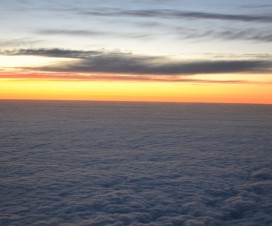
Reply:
x=176, y=28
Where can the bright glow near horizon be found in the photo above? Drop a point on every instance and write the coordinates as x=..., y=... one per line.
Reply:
x=135, y=91
x=13, y=62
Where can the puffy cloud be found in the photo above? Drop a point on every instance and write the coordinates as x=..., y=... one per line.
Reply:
x=135, y=164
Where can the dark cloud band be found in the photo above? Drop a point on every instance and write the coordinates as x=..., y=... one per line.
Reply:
x=145, y=66
x=126, y=63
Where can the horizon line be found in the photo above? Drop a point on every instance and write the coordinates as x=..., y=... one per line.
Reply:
x=132, y=101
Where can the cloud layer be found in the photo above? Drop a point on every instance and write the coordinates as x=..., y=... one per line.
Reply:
x=135, y=164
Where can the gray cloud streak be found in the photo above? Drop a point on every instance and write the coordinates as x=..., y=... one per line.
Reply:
x=72, y=32
x=94, y=33
x=224, y=34
x=175, y=14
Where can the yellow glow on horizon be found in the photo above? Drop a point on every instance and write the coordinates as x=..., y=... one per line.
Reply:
x=135, y=91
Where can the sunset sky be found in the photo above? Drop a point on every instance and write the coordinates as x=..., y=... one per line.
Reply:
x=137, y=50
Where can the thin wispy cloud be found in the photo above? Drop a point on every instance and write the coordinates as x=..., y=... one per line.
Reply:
x=18, y=42
x=174, y=14
x=73, y=32
x=178, y=33
x=255, y=35
x=257, y=6
x=94, y=33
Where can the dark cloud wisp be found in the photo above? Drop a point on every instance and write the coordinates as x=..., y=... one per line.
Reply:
x=54, y=52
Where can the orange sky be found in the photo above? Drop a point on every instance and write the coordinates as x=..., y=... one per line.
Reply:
x=60, y=89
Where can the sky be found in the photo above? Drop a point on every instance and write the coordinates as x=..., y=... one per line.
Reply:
x=137, y=50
